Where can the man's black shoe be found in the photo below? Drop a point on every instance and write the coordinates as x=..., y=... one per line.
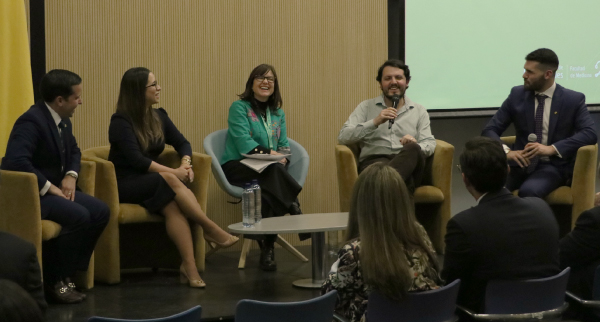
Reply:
x=74, y=289
x=60, y=293
x=267, y=258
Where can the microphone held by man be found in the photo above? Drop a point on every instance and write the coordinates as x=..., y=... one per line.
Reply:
x=395, y=100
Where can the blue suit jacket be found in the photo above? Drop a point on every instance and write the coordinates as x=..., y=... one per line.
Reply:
x=570, y=127
x=34, y=146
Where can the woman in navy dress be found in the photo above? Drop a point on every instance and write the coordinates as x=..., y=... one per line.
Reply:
x=138, y=134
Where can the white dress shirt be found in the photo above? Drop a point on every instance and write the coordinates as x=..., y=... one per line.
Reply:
x=57, y=120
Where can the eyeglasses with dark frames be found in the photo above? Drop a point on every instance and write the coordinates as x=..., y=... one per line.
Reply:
x=270, y=79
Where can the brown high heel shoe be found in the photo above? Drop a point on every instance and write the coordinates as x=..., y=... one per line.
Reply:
x=184, y=279
x=216, y=245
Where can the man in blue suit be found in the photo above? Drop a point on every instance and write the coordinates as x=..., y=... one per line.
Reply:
x=551, y=124
x=42, y=142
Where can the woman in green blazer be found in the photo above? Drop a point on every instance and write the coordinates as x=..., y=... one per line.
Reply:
x=257, y=125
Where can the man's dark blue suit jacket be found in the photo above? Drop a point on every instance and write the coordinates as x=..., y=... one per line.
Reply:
x=34, y=146
x=570, y=128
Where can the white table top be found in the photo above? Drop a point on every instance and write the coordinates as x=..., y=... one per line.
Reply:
x=306, y=223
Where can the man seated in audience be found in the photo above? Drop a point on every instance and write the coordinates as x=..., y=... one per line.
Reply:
x=19, y=263
x=580, y=250
x=398, y=134
x=16, y=305
x=503, y=236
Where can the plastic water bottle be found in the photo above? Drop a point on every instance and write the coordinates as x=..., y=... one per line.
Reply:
x=257, y=201
x=248, y=206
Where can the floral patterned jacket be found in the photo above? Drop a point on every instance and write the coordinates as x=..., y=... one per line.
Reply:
x=353, y=293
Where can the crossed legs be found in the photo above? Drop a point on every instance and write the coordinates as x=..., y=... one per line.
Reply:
x=177, y=213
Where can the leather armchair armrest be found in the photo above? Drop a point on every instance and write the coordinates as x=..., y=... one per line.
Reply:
x=106, y=258
x=87, y=177
x=347, y=174
x=441, y=167
x=584, y=180
x=20, y=207
x=508, y=140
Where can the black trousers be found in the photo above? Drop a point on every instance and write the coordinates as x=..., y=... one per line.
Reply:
x=82, y=221
x=410, y=164
x=278, y=188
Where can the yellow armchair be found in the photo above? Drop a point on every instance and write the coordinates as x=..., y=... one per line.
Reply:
x=432, y=199
x=580, y=195
x=20, y=211
x=135, y=238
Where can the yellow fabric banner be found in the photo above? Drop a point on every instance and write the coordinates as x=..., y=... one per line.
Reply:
x=16, y=89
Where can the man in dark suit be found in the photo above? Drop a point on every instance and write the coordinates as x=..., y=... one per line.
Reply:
x=503, y=237
x=551, y=124
x=580, y=250
x=42, y=142
x=19, y=263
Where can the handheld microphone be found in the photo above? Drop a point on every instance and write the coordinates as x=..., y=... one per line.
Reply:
x=395, y=100
x=532, y=138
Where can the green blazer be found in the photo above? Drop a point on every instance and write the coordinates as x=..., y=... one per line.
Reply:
x=246, y=131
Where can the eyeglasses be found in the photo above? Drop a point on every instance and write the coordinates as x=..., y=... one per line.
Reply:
x=155, y=84
x=269, y=79
x=459, y=168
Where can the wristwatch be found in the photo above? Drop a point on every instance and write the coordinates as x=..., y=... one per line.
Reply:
x=72, y=174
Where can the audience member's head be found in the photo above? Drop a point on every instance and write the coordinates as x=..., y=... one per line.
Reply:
x=16, y=305
x=58, y=82
x=382, y=217
x=483, y=164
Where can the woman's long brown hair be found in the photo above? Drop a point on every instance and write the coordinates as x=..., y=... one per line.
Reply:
x=382, y=217
x=132, y=103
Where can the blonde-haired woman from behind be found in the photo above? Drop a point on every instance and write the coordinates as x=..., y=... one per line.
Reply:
x=386, y=249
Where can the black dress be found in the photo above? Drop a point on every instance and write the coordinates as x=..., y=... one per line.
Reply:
x=137, y=185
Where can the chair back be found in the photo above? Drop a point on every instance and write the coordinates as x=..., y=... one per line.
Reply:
x=98, y=152
x=191, y=315
x=319, y=309
x=429, y=306
x=526, y=296
x=214, y=145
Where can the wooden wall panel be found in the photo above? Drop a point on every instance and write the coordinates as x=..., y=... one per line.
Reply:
x=326, y=54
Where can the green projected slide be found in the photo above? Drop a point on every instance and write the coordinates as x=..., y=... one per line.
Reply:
x=470, y=53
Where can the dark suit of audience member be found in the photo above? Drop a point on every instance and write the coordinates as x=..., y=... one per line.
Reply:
x=16, y=305
x=42, y=142
x=562, y=127
x=19, y=263
x=580, y=250
x=503, y=237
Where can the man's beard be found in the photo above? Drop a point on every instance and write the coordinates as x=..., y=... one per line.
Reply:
x=391, y=97
x=535, y=85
